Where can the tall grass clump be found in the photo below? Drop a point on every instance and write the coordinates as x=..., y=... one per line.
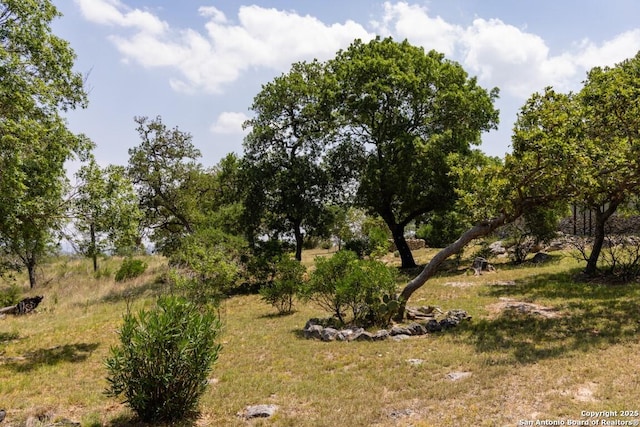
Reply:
x=164, y=359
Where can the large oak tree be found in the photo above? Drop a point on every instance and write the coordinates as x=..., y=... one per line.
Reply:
x=407, y=111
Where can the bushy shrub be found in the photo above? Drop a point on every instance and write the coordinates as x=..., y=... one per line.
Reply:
x=288, y=280
x=164, y=359
x=263, y=261
x=130, y=269
x=10, y=295
x=351, y=289
x=206, y=266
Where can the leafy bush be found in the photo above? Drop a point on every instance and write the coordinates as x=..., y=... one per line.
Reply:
x=130, y=269
x=164, y=359
x=345, y=285
x=263, y=261
x=10, y=295
x=206, y=265
x=286, y=285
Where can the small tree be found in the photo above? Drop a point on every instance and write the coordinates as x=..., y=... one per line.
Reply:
x=164, y=359
x=288, y=281
x=343, y=283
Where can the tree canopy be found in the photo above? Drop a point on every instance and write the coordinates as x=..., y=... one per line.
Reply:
x=407, y=111
x=37, y=83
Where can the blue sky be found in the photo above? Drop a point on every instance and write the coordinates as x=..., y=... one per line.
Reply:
x=199, y=63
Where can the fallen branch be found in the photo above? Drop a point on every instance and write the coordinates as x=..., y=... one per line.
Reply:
x=25, y=306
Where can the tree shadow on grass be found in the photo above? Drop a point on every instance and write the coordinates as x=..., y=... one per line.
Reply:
x=133, y=421
x=69, y=353
x=8, y=336
x=153, y=288
x=587, y=316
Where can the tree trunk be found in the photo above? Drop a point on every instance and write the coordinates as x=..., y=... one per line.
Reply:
x=397, y=231
x=93, y=250
x=299, y=240
x=31, y=269
x=599, y=234
x=430, y=269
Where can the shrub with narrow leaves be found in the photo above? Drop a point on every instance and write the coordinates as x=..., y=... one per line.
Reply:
x=164, y=359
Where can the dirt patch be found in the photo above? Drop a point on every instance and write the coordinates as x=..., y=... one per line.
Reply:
x=460, y=284
x=521, y=307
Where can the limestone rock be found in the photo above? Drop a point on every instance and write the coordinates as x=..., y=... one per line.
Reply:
x=258, y=411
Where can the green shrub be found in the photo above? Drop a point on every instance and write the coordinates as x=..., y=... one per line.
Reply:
x=206, y=265
x=10, y=295
x=164, y=359
x=351, y=289
x=288, y=279
x=130, y=269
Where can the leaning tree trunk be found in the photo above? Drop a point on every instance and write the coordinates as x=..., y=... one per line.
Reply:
x=479, y=230
x=599, y=235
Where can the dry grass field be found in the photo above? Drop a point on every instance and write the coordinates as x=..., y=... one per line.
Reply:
x=565, y=346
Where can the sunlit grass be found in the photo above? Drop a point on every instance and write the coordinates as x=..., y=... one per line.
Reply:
x=522, y=366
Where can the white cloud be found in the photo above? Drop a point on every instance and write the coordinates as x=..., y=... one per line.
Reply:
x=229, y=123
x=115, y=13
x=405, y=21
x=262, y=38
x=610, y=52
x=208, y=59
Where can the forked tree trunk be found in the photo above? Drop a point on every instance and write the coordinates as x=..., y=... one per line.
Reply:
x=599, y=235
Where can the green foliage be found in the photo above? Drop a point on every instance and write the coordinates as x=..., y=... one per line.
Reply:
x=37, y=84
x=164, y=359
x=10, y=295
x=130, y=268
x=106, y=213
x=347, y=286
x=207, y=265
x=169, y=181
x=442, y=228
x=286, y=284
x=263, y=261
x=289, y=183
x=405, y=111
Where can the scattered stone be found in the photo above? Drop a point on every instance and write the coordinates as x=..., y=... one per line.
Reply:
x=344, y=335
x=313, y=331
x=402, y=413
x=460, y=284
x=381, y=335
x=415, y=362
x=399, y=330
x=401, y=337
x=258, y=411
x=540, y=257
x=416, y=329
x=457, y=376
x=362, y=335
x=481, y=264
x=497, y=248
x=433, y=326
x=508, y=304
x=328, y=334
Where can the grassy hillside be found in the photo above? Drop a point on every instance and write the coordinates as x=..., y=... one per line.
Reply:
x=579, y=352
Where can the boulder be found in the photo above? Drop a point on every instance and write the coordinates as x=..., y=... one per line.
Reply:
x=313, y=331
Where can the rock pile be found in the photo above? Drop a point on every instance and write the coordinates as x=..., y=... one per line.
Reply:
x=425, y=322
